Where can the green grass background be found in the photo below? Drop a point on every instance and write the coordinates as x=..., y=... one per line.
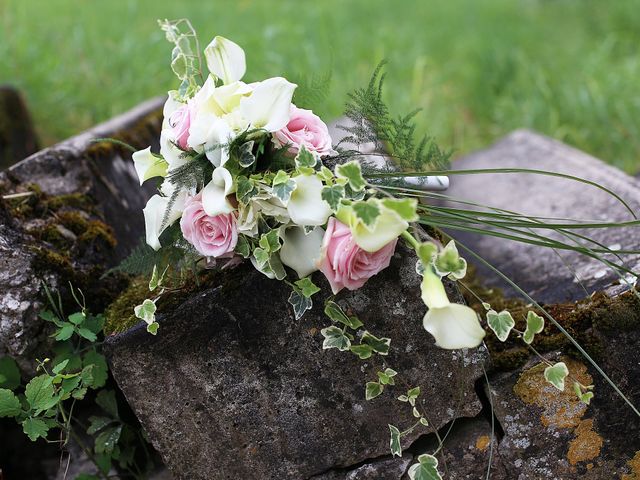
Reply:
x=477, y=68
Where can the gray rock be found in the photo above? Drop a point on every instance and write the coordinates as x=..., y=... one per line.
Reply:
x=234, y=387
x=18, y=138
x=381, y=469
x=540, y=271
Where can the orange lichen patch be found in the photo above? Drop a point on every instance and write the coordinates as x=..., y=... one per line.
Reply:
x=586, y=445
x=561, y=409
x=634, y=463
x=483, y=442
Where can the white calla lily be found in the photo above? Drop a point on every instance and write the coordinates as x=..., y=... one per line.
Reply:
x=306, y=206
x=214, y=195
x=451, y=324
x=301, y=250
x=225, y=59
x=389, y=226
x=170, y=106
x=170, y=152
x=148, y=165
x=269, y=104
x=154, y=214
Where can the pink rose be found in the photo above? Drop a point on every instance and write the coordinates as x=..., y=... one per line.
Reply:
x=180, y=121
x=304, y=128
x=211, y=236
x=344, y=263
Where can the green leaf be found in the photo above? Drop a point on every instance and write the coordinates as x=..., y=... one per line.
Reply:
x=379, y=345
x=334, y=337
x=367, y=212
x=87, y=334
x=584, y=397
x=332, y=195
x=556, y=374
x=305, y=159
x=77, y=318
x=243, y=247
x=60, y=366
x=9, y=373
x=281, y=177
x=426, y=251
x=65, y=332
x=94, y=323
x=9, y=404
x=424, y=422
x=246, y=158
x=405, y=207
x=501, y=323
x=156, y=278
x=98, y=423
x=49, y=316
x=100, y=371
x=449, y=262
x=352, y=172
x=69, y=385
x=270, y=241
x=362, y=351
x=146, y=311
x=152, y=328
x=87, y=476
x=535, y=324
x=394, y=443
x=35, y=428
x=425, y=469
x=300, y=303
x=372, y=390
x=335, y=313
x=413, y=392
x=106, y=399
x=107, y=440
x=246, y=189
x=283, y=191
x=307, y=287
x=386, y=377
x=40, y=393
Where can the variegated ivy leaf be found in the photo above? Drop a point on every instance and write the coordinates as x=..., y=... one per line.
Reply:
x=367, y=212
x=362, y=351
x=372, y=390
x=283, y=187
x=300, y=303
x=412, y=395
x=270, y=241
x=394, y=442
x=386, y=377
x=246, y=156
x=426, y=251
x=146, y=311
x=152, y=328
x=243, y=247
x=307, y=287
x=425, y=469
x=449, y=262
x=535, y=324
x=352, y=172
x=332, y=195
x=334, y=337
x=305, y=159
x=246, y=189
x=335, y=313
x=379, y=345
x=501, y=323
x=326, y=175
x=404, y=207
x=556, y=375
x=156, y=279
x=584, y=397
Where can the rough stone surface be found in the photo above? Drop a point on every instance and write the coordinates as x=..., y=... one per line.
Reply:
x=234, y=387
x=388, y=469
x=100, y=174
x=540, y=271
x=18, y=139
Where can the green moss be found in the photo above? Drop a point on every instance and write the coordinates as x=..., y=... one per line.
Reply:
x=119, y=315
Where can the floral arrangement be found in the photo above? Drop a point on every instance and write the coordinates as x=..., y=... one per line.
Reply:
x=246, y=174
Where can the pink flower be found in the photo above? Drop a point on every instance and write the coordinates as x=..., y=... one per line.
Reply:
x=344, y=263
x=304, y=128
x=180, y=121
x=211, y=236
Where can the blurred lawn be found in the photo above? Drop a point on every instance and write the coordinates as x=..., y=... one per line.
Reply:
x=567, y=68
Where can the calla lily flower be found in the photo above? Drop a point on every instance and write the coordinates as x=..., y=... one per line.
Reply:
x=214, y=195
x=306, y=206
x=301, y=250
x=388, y=227
x=170, y=152
x=269, y=104
x=148, y=165
x=225, y=59
x=451, y=324
x=154, y=213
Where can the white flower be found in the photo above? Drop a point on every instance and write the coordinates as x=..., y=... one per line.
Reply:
x=214, y=195
x=452, y=325
x=249, y=214
x=225, y=59
x=170, y=152
x=300, y=250
x=154, y=213
x=389, y=225
x=170, y=106
x=148, y=165
x=306, y=206
x=269, y=104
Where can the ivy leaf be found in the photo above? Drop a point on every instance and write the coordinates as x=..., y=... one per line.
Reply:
x=404, y=207
x=556, y=374
x=246, y=158
x=107, y=440
x=243, y=247
x=152, y=328
x=394, y=442
x=386, y=377
x=583, y=397
x=334, y=337
x=307, y=287
x=305, y=159
x=106, y=399
x=332, y=195
x=146, y=311
x=98, y=423
x=270, y=241
x=9, y=404
x=65, y=332
x=425, y=469
x=9, y=373
x=372, y=390
x=449, y=262
x=299, y=302
x=77, y=318
x=246, y=189
x=335, y=313
x=367, y=212
x=501, y=323
x=352, y=172
x=362, y=351
x=535, y=324
x=35, y=428
x=283, y=191
x=426, y=251
x=156, y=279
x=40, y=393
x=379, y=345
